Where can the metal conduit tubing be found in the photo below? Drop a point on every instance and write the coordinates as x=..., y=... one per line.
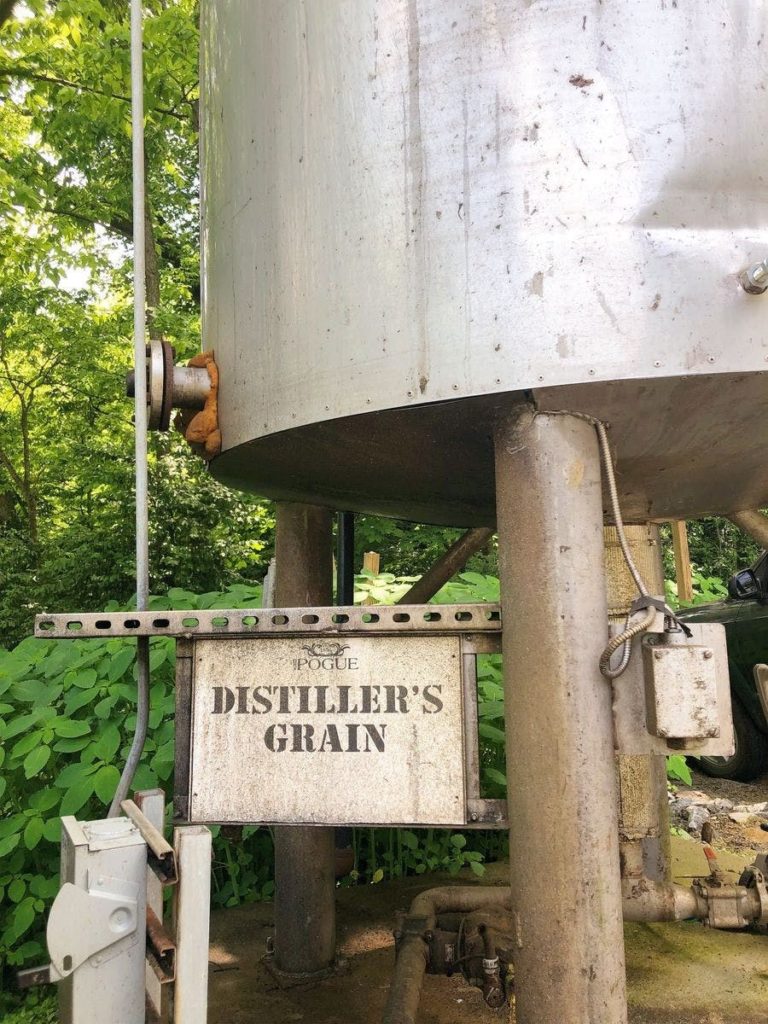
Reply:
x=140, y=413
x=405, y=988
x=753, y=523
x=448, y=564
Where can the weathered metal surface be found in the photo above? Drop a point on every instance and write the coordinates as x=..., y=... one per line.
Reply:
x=633, y=730
x=161, y=950
x=470, y=618
x=406, y=204
x=191, y=916
x=369, y=731
x=643, y=805
x=99, y=943
x=305, y=859
x=681, y=687
x=566, y=897
x=160, y=856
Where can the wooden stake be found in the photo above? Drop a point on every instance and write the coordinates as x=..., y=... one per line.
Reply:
x=682, y=560
x=372, y=562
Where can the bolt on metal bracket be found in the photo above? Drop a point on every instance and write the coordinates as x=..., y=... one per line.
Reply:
x=754, y=279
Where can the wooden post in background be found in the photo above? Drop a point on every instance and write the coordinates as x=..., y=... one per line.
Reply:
x=372, y=562
x=682, y=560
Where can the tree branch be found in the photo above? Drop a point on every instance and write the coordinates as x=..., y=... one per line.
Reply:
x=35, y=76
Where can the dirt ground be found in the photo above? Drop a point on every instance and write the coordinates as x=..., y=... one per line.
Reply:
x=677, y=974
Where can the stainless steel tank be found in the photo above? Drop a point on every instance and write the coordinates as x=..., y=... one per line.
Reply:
x=415, y=211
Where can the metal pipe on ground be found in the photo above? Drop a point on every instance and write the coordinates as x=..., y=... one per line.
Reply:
x=405, y=988
x=566, y=895
x=305, y=905
x=652, y=902
x=754, y=523
x=447, y=565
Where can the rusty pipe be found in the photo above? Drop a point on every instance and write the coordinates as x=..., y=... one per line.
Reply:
x=405, y=988
x=754, y=523
x=646, y=900
x=448, y=564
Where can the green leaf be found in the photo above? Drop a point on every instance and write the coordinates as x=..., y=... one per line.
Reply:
x=9, y=844
x=490, y=732
x=477, y=867
x=16, y=890
x=377, y=876
x=409, y=839
x=80, y=698
x=71, y=746
x=68, y=728
x=459, y=841
x=84, y=678
x=73, y=774
x=52, y=830
x=106, y=781
x=23, y=916
x=677, y=768
x=120, y=663
x=108, y=743
x=76, y=796
x=44, y=800
x=33, y=833
x=25, y=744
x=495, y=776
x=35, y=761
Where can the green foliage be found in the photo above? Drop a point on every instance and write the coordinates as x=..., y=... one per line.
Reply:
x=677, y=769
x=66, y=440
x=706, y=590
x=67, y=715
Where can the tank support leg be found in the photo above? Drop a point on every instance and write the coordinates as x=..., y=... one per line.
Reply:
x=563, y=809
x=305, y=910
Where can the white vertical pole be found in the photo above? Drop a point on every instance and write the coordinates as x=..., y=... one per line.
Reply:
x=140, y=411
x=192, y=920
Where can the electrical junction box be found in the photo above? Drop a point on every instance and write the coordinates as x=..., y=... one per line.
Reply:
x=680, y=689
x=675, y=694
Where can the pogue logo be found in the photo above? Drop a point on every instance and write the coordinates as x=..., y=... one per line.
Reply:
x=325, y=649
x=325, y=654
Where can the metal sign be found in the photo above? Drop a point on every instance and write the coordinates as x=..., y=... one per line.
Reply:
x=322, y=715
x=368, y=730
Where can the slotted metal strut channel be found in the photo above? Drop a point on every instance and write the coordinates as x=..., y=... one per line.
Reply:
x=470, y=618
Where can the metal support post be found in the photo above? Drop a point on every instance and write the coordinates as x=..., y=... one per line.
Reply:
x=345, y=558
x=563, y=808
x=152, y=803
x=643, y=804
x=192, y=899
x=305, y=879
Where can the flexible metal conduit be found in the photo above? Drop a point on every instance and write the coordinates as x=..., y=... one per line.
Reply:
x=140, y=414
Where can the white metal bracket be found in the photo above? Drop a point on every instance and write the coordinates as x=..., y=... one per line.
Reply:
x=84, y=923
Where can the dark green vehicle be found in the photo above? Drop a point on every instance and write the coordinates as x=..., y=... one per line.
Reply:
x=745, y=617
